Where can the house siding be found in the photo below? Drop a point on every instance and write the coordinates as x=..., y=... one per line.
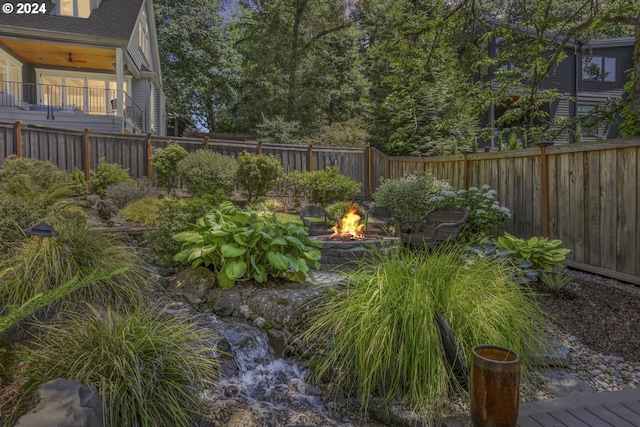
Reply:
x=140, y=95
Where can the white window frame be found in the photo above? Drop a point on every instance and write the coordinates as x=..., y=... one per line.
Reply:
x=63, y=75
x=75, y=6
x=605, y=75
x=144, y=42
x=11, y=84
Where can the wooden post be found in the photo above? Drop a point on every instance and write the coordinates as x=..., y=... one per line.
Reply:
x=310, y=157
x=149, y=157
x=260, y=148
x=544, y=191
x=424, y=166
x=465, y=176
x=206, y=142
x=388, y=166
x=18, y=130
x=87, y=155
x=369, y=173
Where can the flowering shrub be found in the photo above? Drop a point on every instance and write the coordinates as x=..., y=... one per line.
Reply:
x=486, y=216
x=410, y=197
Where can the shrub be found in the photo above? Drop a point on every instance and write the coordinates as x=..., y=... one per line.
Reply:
x=142, y=211
x=329, y=185
x=257, y=174
x=79, y=182
x=240, y=245
x=148, y=366
x=165, y=165
x=542, y=252
x=175, y=216
x=121, y=194
x=292, y=190
x=45, y=263
x=350, y=133
x=338, y=209
x=106, y=174
x=409, y=197
x=205, y=171
x=44, y=174
x=383, y=337
x=17, y=214
x=486, y=216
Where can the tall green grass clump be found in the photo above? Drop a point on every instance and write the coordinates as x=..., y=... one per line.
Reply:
x=384, y=336
x=148, y=366
x=43, y=263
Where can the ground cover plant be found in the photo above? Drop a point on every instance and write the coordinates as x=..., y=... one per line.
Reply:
x=148, y=366
x=384, y=339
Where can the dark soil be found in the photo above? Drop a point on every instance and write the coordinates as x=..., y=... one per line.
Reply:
x=603, y=315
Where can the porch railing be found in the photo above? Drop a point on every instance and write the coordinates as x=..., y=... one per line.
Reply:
x=59, y=98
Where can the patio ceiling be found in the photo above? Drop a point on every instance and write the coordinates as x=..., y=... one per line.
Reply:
x=61, y=55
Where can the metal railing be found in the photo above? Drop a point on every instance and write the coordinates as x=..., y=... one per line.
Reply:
x=59, y=98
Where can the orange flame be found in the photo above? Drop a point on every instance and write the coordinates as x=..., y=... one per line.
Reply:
x=348, y=227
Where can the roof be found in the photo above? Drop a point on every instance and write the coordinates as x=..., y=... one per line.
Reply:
x=113, y=19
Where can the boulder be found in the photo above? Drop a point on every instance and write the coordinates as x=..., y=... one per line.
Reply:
x=194, y=284
x=64, y=403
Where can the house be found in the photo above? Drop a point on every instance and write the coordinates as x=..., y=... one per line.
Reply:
x=82, y=64
x=593, y=72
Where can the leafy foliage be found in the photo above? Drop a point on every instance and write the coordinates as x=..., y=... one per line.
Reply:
x=165, y=165
x=147, y=365
x=329, y=185
x=205, y=171
x=382, y=336
x=257, y=174
x=409, y=197
x=106, y=174
x=338, y=209
x=486, y=216
x=17, y=214
x=350, y=133
x=279, y=131
x=122, y=193
x=44, y=174
x=292, y=190
x=240, y=245
x=542, y=252
x=175, y=216
x=142, y=211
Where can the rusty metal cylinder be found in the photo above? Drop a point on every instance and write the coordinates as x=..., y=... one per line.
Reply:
x=495, y=387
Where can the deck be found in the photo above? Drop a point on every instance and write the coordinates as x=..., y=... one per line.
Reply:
x=608, y=409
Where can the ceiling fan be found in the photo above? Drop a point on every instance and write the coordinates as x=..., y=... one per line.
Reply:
x=72, y=60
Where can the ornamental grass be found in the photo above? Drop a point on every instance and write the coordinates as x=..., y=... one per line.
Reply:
x=381, y=337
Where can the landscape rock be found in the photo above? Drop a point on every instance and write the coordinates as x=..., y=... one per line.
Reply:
x=194, y=284
x=65, y=403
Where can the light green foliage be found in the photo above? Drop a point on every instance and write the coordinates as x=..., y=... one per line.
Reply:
x=42, y=174
x=486, y=216
x=409, y=197
x=240, y=245
x=175, y=216
x=147, y=365
x=555, y=281
x=165, y=165
x=257, y=174
x=279, y=131
x=42, y=300
x=350, y=133
x=45, y=263
x=79, y=181
x=329, y=185
x=121, y=194
x=542, y=252
x=382, y=335
x=205, y=171
x=268, y=205
x=142, y=211
x=106, y=174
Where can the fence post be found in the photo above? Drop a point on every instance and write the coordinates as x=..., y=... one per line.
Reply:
x=18, y=130
x=544, y=189
x=206, y=142
x=369, y=174
x=388, y=166
x=149, y=157
x=465, y=176
x=260, y=148
x=87, y=155
x=310, y=157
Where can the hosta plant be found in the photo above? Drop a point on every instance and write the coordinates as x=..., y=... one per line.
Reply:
x=541, y=251
x=239, y=244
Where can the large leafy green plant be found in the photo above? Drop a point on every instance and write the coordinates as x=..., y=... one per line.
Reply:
x=329, y=185
x=257, y=174
x=239, y=244
x=165, y=164
x=542, y=252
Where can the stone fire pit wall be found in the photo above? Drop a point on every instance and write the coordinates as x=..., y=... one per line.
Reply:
x=345, y=255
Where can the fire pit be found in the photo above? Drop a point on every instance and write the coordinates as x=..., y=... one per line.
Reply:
x=349, y=244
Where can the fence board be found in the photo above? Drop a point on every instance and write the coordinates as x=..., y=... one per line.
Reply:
x=592, y=243
x=627, y=200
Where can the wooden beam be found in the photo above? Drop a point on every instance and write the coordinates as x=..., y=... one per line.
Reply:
x=87, y=156
x=149, y=157
x=544, y=191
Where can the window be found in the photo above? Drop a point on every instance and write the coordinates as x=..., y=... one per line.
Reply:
x=599, y=68
x=143, y=34
x=77, y=8
x=10, y=76
x=503, y=57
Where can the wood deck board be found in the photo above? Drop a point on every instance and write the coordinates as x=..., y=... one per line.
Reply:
x=625, y=413
x=609, y=416
x=567, y=419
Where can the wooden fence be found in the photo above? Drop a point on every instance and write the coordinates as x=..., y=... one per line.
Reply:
x=587, y=195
